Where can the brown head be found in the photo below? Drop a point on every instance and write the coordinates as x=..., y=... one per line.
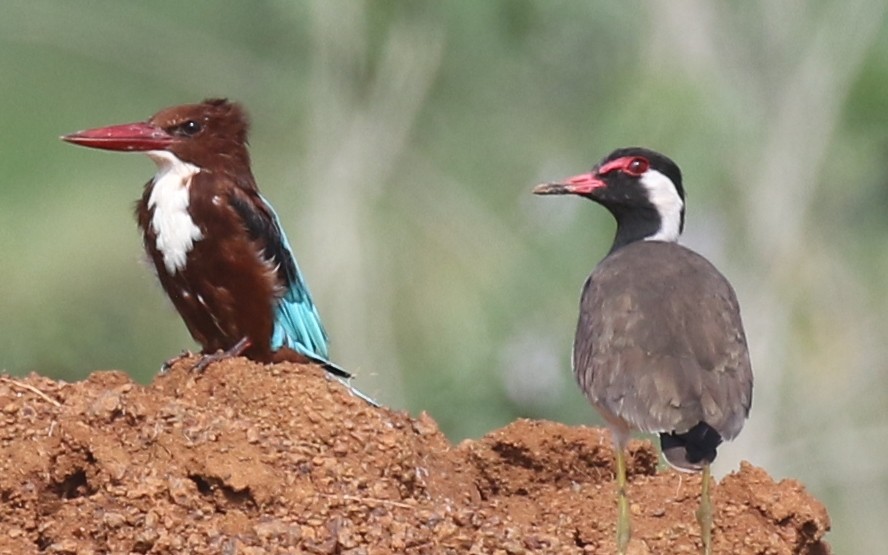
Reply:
x=211, y=135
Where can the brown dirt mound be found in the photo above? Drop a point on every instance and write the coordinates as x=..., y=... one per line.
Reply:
x=251, y=459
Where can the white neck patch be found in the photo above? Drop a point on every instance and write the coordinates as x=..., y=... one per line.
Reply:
x=663, y=195
x=176, y=231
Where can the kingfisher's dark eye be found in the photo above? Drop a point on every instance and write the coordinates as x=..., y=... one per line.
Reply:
x=190, y=128
x=637, y=166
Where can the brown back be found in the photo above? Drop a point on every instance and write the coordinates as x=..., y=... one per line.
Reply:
x=660, y=343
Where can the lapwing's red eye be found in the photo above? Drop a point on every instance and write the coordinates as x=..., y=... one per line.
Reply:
x=637, y=166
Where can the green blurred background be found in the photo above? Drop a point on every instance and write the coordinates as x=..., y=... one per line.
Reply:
x=399, y=142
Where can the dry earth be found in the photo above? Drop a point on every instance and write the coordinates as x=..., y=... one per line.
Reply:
x=248, y=459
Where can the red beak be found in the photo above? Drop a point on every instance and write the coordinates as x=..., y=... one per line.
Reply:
x=127, y=137
x=578, y=185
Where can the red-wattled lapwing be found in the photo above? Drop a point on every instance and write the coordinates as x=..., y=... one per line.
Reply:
x=659, y=346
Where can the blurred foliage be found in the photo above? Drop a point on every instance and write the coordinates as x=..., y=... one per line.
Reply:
x=399, y=142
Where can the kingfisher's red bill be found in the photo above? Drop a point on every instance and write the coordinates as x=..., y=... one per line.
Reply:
x=136, y=137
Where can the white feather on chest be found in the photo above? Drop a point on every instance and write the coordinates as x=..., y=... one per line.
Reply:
x=171, y=222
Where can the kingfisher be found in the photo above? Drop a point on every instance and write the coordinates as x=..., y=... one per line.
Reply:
x=216, y=243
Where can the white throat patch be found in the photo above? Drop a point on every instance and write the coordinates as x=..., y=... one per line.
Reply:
x=176, y=231
x=663, y=195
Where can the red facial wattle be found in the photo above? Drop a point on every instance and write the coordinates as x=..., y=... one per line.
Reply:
x=632, y=165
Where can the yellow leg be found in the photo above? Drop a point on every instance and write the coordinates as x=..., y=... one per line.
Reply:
x=704, y=513
x=624, y=528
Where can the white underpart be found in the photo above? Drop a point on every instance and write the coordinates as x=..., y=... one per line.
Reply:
x=663, y=195
x=175, y=230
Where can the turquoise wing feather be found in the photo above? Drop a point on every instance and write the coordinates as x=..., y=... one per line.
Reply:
x=297, y=324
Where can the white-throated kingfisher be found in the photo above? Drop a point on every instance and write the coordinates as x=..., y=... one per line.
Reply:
x=216, y=244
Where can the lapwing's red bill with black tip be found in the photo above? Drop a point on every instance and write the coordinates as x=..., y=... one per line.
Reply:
x=578, y=185
x=659, y=344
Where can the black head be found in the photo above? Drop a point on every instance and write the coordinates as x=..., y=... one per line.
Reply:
x=640, y=187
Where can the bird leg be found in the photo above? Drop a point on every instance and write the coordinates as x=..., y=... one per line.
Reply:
x=624, y=527
x=169, y=363
x=235, y=351
x=704, y=513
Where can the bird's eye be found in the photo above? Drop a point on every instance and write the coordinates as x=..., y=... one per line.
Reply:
x=637, y=166
x=190, y=128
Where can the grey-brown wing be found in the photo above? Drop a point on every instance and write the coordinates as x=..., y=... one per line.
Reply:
x=660, y=343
